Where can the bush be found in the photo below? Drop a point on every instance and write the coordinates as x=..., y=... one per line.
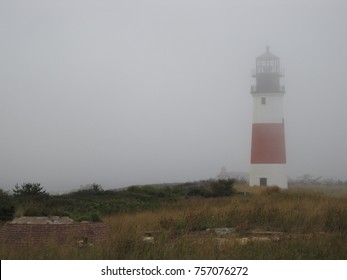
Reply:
x=91, y=217
x=199, y=191
x=38, y=212
x=6, y=207
x=90, y=189
x=222, y=187
x=29, y=190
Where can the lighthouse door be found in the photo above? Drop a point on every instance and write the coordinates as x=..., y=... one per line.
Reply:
x=263, y=181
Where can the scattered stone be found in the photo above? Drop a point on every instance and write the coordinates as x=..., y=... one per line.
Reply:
x=148, y=239
x=222, y=231
x=84, y=242
x=149, y=236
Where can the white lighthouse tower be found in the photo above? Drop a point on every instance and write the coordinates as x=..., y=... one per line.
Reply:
x=268, y=154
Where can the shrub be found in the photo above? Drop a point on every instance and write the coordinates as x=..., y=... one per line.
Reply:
x=29, y=190
x=89, y=190
x=199, y=191
x=6, y=206
x=222, y=187
x=36, y=212
x=93, y=217
x=219, y=188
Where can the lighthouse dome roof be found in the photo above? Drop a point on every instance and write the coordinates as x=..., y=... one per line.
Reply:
x=267, y=54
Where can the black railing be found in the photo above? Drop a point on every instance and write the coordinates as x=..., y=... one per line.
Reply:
x=282, y=89
x=254, y=73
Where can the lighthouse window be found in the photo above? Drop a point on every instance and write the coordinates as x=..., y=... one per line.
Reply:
x=263, y=100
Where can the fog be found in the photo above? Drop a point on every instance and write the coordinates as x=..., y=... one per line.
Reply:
x=138, y=92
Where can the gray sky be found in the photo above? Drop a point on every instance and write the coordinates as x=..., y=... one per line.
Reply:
x=136, y=92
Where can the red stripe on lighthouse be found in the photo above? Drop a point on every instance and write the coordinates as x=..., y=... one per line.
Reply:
x=268, y=144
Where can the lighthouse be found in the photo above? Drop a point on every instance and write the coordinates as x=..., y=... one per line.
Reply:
x=268, y=153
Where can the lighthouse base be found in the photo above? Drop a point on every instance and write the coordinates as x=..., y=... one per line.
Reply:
x=268, y=175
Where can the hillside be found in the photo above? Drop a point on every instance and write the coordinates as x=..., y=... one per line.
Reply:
x=179, y=223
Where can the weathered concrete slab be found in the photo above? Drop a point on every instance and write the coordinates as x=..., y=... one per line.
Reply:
x=42, y=220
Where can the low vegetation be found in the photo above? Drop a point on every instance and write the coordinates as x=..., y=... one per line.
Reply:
x=310, y=223
x=91, y=202
x=6, y=206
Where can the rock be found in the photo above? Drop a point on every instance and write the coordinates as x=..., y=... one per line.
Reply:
x=222, y=231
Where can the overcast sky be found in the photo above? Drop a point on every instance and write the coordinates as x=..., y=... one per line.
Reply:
x=137, y=92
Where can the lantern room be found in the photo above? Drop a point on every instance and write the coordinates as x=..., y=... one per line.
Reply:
x=267, y=74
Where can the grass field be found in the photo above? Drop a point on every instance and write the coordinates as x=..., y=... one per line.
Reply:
x=307, y=225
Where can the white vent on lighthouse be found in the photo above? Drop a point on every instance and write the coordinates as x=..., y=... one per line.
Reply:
x=268, y=154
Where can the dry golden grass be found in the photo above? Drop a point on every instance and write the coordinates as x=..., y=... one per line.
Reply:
x=313, y=226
